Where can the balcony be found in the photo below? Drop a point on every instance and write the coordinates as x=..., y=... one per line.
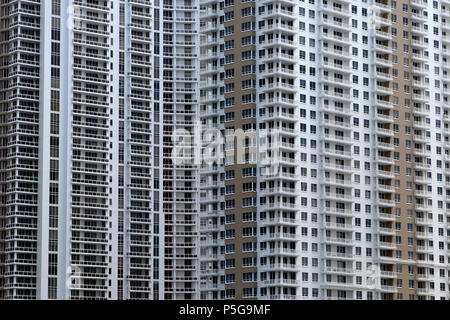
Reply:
x=280, y=282
x=339, y=241
x=337, y=270
x=338, y=196
x=338, y=211
x=339, y=255
x=339, y=53
x=338, y=226
x=279, y=236
x=280, y=251
x=335, y=10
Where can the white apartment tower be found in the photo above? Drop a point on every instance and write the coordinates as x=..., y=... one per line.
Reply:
x=92, y=206
x=349, y=100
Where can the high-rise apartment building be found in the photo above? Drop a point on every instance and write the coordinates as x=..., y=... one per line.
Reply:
x=92, y=205
x=333, y=179
x=319, y=169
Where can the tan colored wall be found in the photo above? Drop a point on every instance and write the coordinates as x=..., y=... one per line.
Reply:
x=237, y=124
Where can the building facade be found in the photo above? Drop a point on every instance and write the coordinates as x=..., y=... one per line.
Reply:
x=338, y=189
x=92, y=205
x=206, y=149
